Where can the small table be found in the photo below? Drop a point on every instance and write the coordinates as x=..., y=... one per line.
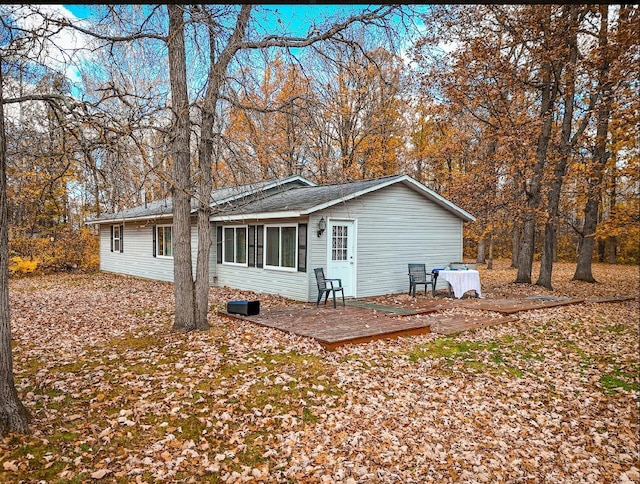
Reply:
x=462, y=281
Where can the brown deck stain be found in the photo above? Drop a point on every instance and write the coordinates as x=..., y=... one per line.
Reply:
x=336, y=327
x=364, y=321
x=512, y=306
x=333, y=328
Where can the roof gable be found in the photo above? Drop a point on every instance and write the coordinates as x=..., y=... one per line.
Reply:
x=290, y=197
x=307, y=200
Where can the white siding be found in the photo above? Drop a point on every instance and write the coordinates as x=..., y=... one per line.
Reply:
x=137, y=256
x=290, y=284
x=395, y=226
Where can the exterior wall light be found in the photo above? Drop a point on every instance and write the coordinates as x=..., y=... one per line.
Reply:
x=322, y=225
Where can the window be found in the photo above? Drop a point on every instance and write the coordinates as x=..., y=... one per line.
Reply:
x=281, y=246
x=116, y=238
x=256, y=246
x=164, y=244
x=234, y=245
x=339, y=242
x=302, y=247
x=248, y=246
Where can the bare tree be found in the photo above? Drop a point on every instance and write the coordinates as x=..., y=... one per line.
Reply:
x=228, y=31
x=33, y=48
x=186, y=289
x=13, y=415
x=16, y=45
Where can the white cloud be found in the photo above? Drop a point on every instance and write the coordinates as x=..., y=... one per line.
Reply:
x=58, y=48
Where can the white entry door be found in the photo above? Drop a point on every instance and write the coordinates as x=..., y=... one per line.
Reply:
x=340, y=254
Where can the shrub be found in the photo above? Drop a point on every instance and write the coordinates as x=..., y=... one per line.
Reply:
x=76, y=250
x=68, y=250
x=21, y=267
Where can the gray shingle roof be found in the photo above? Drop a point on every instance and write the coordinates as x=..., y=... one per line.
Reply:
x=219, y=196
x=289, y=197
x=303, y=198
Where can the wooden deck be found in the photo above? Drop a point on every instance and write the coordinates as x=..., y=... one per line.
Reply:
x=512, y=306
x=363, y=321
x=612, y=299
x=441, y=324
x=336, y=327
x=424, y=306
x=352, y=324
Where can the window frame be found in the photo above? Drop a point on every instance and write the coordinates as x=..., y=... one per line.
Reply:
x=280, y=267
x=235, y=245
x=157, y=229
x=116, y=239
x=343, y=248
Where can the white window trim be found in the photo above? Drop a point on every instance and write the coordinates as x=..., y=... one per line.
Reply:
x=266, y=243
x=246, y=245
x=158, y=242
x=116, y=239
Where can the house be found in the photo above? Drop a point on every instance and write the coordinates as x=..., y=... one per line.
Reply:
x=268, y=236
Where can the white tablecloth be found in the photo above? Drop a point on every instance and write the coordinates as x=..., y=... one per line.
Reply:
x=462, y=281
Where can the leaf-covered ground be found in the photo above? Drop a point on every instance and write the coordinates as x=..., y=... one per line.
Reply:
x=115, y=395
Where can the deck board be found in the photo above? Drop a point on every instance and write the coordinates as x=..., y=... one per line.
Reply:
x=424, y=307
x=512, y=306
x=336, y=327
x=361, y=321
x=612, y=299
x=441, y=324
x=332, y=328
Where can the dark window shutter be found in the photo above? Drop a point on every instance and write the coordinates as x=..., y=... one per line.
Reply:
x=302, y=247
x=121, y=238
x=219, y=244
x=111, y=227
x=155, y=245
x=259, y=245
x=251, y=259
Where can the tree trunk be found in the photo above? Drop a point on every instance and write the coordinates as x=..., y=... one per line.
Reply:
x=202, y=269
x=216, y=78
x=601, y=250
x=490, y=260
x=546, y=263
x=205, y=188
x=533, y=193
x=599, y=160
x=612, y=246
x=612, y=241
x=204, y=225
x=515, y=245
x=488, y=208
x=481, y=251
x=587, y=242
x=525, y=252
x=560, y=169
x=182, y=270
x=13, y=415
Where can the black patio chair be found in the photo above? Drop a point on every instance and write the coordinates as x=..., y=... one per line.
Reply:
x=418, y=275
x=326, y=286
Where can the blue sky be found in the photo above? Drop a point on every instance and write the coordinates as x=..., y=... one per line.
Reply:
x=286, y=12
x=80, y=11
x=286, y=20
x=295, y=19
x=83, y=11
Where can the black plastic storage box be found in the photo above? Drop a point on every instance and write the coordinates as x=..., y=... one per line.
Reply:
x=246, y=308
